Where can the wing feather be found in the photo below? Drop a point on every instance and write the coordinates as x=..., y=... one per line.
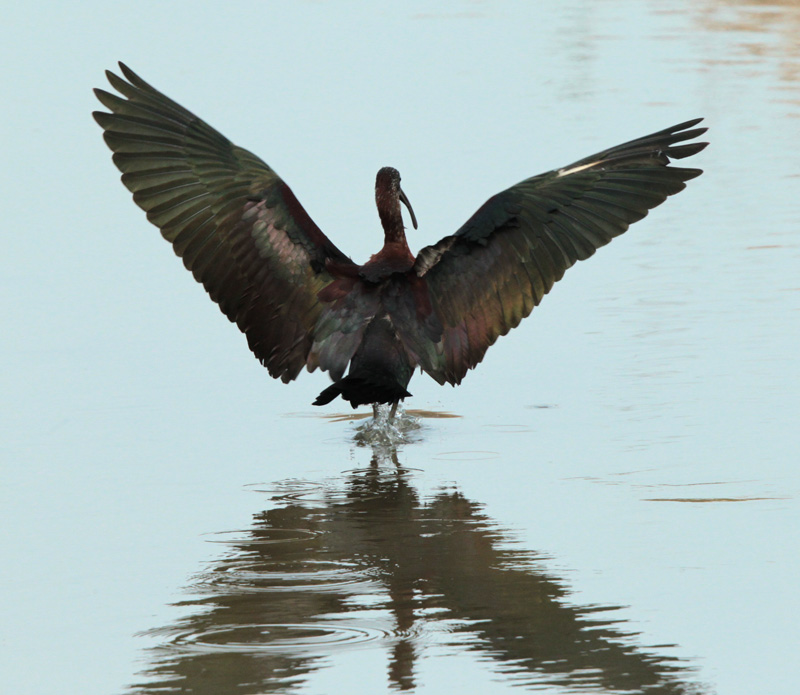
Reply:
x=488, y=276
x=236, y=225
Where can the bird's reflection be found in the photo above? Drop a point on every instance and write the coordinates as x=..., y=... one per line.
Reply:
x=365, y=562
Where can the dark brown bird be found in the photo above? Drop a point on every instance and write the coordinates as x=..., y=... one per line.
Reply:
x=301, y=302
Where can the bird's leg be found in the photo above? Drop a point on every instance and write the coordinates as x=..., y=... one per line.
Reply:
x=393, y=410
x=375, y=408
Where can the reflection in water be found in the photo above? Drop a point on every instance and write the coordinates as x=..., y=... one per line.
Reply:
x=766, y=32
x=363, y=562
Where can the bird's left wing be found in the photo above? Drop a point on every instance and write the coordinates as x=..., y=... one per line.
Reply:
x=237, y=226
x=483, y=280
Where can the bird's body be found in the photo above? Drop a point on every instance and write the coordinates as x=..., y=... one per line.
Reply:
x=301, y=302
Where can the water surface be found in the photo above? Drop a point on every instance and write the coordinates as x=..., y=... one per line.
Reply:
x=615, y=506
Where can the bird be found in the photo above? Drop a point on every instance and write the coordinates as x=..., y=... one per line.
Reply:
x=302, y=303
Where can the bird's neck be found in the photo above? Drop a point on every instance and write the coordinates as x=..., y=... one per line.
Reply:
x=391, y=218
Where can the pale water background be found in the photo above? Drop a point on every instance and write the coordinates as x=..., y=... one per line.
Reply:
x=615, y=508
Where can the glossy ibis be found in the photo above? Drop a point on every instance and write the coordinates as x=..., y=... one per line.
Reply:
x=301, y=302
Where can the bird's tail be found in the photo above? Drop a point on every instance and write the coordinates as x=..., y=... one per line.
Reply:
x=364, y=387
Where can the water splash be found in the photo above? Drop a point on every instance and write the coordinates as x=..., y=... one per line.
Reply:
x=383, y=430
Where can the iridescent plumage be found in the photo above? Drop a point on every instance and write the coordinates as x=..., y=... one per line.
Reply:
x=302, y=302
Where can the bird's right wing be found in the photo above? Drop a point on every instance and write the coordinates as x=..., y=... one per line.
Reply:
x=483, y=280
x=234, y=222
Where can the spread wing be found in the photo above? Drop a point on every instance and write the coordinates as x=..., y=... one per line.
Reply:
x=234, y=222
x=488, y=276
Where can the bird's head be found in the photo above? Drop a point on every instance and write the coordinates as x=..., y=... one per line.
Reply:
x=387, y=190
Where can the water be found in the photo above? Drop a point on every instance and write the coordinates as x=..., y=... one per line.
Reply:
x=364, y=562
x=608, y=504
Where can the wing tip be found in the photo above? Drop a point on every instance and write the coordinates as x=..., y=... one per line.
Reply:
x=683, y=151
x=689, y=174
x=130, y=75
x=128, y=82
x=688, y=124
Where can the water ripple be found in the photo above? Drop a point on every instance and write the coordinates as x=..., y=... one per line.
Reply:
x=266, y=536
x=297, y=491
x=319, y=577
x=277, y=637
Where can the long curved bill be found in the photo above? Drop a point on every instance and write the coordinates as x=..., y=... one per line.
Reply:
x=404, y=200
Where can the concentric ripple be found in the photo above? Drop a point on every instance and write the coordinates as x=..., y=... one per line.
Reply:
x=295, y=491
x=316, y=577
x=278, y=637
